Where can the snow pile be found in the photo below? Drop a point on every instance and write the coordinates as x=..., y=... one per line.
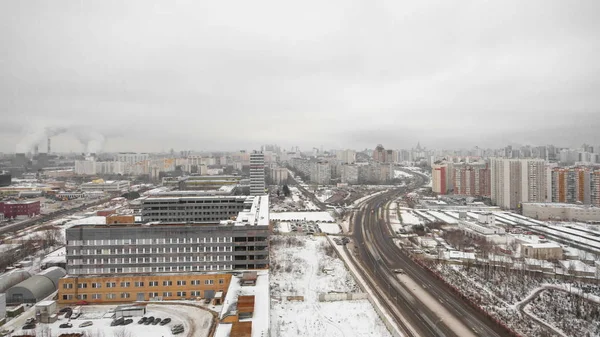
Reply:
x=306, y=266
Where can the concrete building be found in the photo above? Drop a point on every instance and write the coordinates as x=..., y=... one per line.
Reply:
x=112, y=186
x=349, y=174
x=484, y=227
x=346, y=156
x=572, y=184
x=145, y=287
x=193, y=208
x=257, y=173
x=13, y=209
x=5, y=178
x=167, y=247
x=131, y=157
x=439, y=178
x=542, y=250
x=595, y=188
x=320, y=173
x=561, y=211
x=472, y=179
x=379, y=154
x=517, y=180
x=279, y=175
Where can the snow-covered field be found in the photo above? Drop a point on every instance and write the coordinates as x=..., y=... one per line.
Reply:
x=501, y=293
x=301, y=216
x=307, y=266
x=195, y=321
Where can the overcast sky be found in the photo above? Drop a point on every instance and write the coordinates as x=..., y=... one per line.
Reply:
x=207, y=75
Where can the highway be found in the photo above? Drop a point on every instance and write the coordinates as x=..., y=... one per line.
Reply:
x=380, y=255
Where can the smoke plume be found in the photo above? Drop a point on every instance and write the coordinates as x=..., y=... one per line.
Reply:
x=92, y=140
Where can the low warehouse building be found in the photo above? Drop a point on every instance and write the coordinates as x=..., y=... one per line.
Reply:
x=35, y=288
x=12, y=278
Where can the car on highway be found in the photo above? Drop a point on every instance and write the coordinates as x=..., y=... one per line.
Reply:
x=398, y=271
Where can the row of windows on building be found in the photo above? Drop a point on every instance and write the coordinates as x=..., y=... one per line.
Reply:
x=159, y=213
x=95, y=271
x=162, y=259
x=178, y=208
x=163, y=250
x=139, y=284
x=113, y=296
x=121, y=242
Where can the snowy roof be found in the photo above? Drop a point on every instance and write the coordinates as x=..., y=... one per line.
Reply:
x=260, y=319
x=302, y=216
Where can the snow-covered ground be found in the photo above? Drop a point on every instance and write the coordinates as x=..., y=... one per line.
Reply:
x=502, y=292
x=307, y=266
x=401, y=174
x=195, y=321
x=301, y=216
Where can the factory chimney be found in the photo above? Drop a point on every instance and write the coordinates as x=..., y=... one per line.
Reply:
x=49, y=146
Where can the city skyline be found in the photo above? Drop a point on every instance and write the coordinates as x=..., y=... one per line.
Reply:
x=205, y=77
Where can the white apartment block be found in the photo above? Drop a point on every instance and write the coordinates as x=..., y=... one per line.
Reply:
x=320, y=173
x=514, y=181
x=257, y=173
x=346, y=156
x=349, y=174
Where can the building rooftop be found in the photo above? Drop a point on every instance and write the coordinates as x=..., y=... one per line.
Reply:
x=559, y=205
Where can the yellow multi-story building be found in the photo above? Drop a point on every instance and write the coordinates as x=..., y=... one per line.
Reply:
x=129, y=288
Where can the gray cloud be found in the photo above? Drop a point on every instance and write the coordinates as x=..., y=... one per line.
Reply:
x=151, y=75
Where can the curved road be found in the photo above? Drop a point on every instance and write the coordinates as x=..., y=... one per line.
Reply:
x=380, y=255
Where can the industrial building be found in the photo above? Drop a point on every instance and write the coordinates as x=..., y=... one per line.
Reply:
x=257, y=173
x=111, y=186
x=13, y=209
x=5, y=178
x=35, y=288
x=11, y=278
x=147, y=287
x=561, y=211
x=193, y=208
x=174, y=245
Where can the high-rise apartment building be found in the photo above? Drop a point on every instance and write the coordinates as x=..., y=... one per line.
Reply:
x=349, y=174
x=439, y=179
x=379, y=154
x=571, y=185
x=346, y=156
x=257, y=173
x=320, y=173
x=595, y=188
x=472, y=179
x=517, y=180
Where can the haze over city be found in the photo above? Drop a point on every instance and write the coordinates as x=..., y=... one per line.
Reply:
x=223, y=76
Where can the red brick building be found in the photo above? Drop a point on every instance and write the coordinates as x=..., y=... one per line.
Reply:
x=12, y=209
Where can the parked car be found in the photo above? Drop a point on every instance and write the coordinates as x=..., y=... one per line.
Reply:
x=30, y=320
x=64, y=310
x=127, y=321
x=165, y=321
x=142, y=320
x=178, y=328
x=156, y=321
x=75, y=315
x=117, y=322
x=86, y=323
x=28, y=326
x=68, y=314
x=149, y=320
x=65, y=325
